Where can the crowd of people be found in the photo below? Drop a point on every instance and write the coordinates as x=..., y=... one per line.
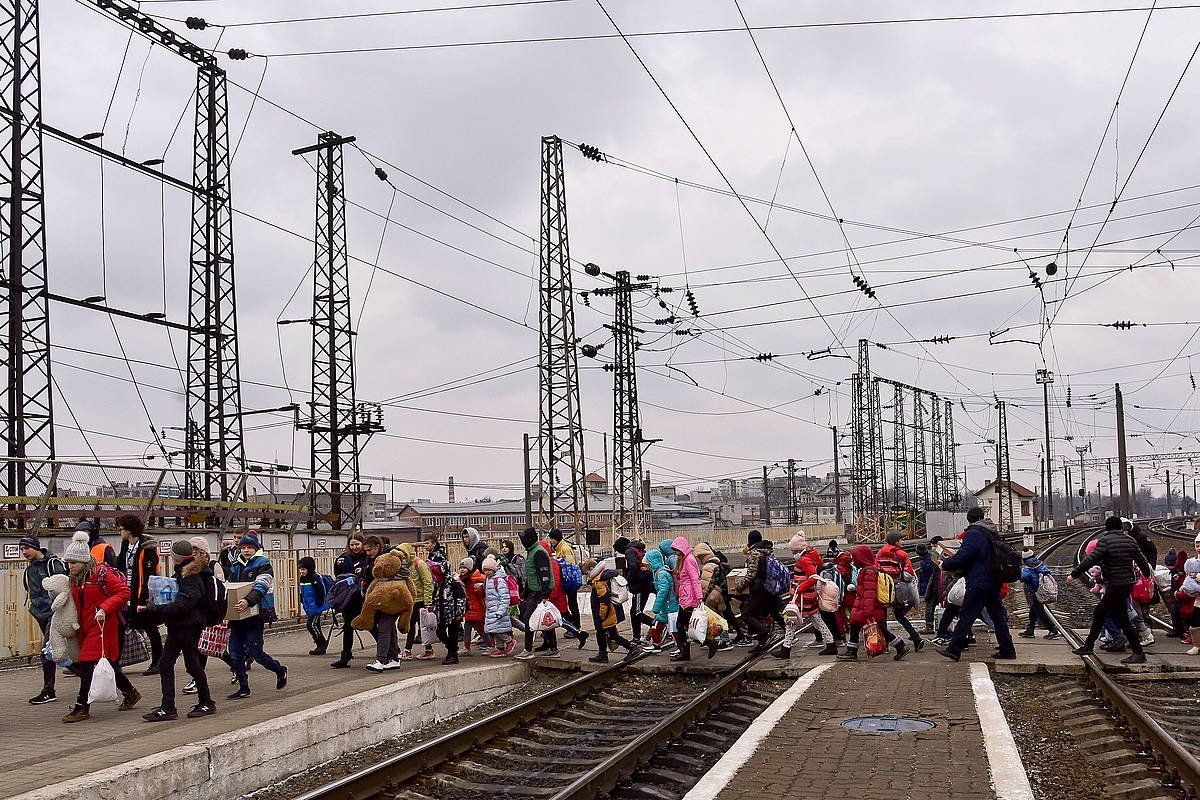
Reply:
x=498, y=600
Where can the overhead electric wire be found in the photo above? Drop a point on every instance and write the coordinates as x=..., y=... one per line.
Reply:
x=365, y=14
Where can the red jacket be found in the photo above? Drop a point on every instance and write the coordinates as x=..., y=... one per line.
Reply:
x=558, y=595
x=94, y=643
x=891, y=554
x=804, y=582
x=866, y=604
x=475, y=584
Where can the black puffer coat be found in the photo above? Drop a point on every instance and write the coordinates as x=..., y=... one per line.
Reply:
x=1116, y=552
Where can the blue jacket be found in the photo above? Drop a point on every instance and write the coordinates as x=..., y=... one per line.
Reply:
x=974, y=557
x=496, y=618
x=252, y=570
x=926, y=570
x=1031, y=573
x=665, y=601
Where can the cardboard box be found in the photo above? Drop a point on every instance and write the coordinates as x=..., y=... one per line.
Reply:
x=237, y=592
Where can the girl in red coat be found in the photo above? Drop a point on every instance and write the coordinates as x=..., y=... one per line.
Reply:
x=475, y=583
x=867, y=608
x=100, y=594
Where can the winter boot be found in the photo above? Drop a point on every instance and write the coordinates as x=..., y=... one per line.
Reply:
x=917, y=644
x=901, y=649
x=685, y=648
x=131, y=699
x=783, y=653
x=322, y=645
x=78, y=714
x=829, y=650
x=851, y=654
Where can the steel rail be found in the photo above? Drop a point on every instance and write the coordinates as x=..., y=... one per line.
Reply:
x=1173, y=757
x=390, y=772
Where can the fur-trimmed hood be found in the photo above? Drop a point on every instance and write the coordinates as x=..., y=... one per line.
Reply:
x=199, y=561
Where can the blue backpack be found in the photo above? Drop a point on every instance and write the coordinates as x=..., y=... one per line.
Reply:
x=572, y=575
x=308, y=596
x=778, y=580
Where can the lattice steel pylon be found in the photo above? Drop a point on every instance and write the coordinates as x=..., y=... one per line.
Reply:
x=1003, y=472
x=793, y=500
x=213, y=431
x=629, y=516
x=937, y=469
x=920, y=493
x=338, y=423
x=950, y=459
x=867, y=473
x=27, y=409
x=561, y=469
x=900, y=497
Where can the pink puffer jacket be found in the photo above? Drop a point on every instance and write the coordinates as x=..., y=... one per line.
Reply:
x=687, y=577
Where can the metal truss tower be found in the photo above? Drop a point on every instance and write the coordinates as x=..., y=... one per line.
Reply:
x=793, y=500
x=213, y=433
x=339, y=425
x=1003, y=472
x=950, y=460
x=27, y=409
x=920, y=462
x=628, y=505
x=937, y=467
x=900, y=497
x=561, y=469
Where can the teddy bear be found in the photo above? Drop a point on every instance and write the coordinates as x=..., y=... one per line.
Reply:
x=387, y=594
x=65, y=622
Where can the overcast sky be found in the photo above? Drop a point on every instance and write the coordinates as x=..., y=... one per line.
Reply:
x=980, y=131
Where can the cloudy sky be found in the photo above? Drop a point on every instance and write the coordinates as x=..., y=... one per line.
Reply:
x=954, y=152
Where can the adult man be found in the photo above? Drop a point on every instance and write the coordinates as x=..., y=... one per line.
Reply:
x=138, y=559
x=761, y=605
x=539, y=585
x=640, y=582
x=477, y=549
x=41, y=566
x=974, y=562
x=1116, y=552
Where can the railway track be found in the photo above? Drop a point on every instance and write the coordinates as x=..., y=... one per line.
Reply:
x=1161, y=724
x=605, y=732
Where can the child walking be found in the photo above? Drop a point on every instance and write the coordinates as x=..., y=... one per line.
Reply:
x=606, y=613
x=313, y=599
x=473, y=582
x=450, y=605
x=497, y=619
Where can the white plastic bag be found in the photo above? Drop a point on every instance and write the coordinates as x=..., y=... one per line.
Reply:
x=1162, y=577
x=672, y=620
x=428, y=626
x=104, y=684
x=698, y=625
x=957, y=593
x=546, y=617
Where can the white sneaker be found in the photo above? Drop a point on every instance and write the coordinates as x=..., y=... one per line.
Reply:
x=376, y=666
x=524, y=655
x=393, y=665
x=1146, y=639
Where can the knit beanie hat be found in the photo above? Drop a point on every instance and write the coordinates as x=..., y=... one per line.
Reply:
x=78, y=549
x=555, y=535
x=799, y=543
x=754, y=537
x=621, y=544
x=1026, y=554
x=182, y=548
x=490, y=564
x=250, y=538
x=1192, y=566
x=200, y=543
x=1171, y=558
x=30, y=541
x=467, y=563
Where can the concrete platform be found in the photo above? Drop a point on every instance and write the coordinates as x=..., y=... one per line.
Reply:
x=799, y=747
x=247, y=744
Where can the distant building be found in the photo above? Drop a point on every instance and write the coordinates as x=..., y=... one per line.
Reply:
x=1022, y=504
x=596, y=483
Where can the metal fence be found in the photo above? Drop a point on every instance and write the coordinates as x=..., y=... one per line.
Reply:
x=271, y=498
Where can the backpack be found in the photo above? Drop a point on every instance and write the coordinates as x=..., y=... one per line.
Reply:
x=829, y=594
x=342, y=593
x=777, y=580
x=1006, y=561
x=618, y=587
x=885, y=589
x=889, y=565
x=435, y=572
x=215, y=609
x=1047, y=590
x=572, y=575
x=308, y=596
x=514, y=591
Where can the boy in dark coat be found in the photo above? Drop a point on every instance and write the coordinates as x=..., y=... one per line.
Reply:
x=184, y=618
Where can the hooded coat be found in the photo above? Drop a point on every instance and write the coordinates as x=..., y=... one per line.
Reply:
x=867, y=607
x=668, y=553
x=539, y=576
x=195, y=580
x=639, y=579
x=1032, y=571
x=476, y=602
x=496, y=617
x=974, y=557
x=250, y=569
x=104, y=588
x=604, y=610
x=388, y=594
x=418, y=573
x=756, y=562
x=687, y=575
x=712, y=577
x=665, y=600
x=804, y=581
x=478, y=549
x=312, y=582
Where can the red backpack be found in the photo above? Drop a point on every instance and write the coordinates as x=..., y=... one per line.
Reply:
x=514, y=591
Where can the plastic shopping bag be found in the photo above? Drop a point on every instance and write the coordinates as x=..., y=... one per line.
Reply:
x=214, y=640
x=546, y=617
x=873, y=637
x=698, y=625
x=428, y=626
x=104, y=684
x=957, y=593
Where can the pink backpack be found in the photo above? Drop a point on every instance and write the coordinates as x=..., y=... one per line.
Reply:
x=514, y=591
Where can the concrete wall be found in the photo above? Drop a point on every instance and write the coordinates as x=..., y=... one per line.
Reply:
x=945, y=523
x=240, y=762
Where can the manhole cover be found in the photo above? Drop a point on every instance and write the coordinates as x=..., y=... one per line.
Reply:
x=888, y=724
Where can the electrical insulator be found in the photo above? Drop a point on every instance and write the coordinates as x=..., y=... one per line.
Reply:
x=592, y=152
x=644, y=278
x=196, y=23
x=691, y=301
x=1068, y=396
x=584, y=297
x=379, y=173
x=1121, y=325
x=765, y=357
x=238, y=54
